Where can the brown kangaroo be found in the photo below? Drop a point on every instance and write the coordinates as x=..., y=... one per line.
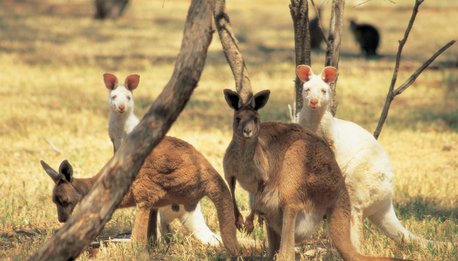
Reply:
x=293, y=175
x=174, y=173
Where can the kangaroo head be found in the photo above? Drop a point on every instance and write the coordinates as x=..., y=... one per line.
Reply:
x=316, y=89
x=64, y=194
x=246, y=117
x=120, y=96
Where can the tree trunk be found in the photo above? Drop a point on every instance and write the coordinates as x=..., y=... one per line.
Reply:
x=299, y=13
x=231, y=50
x=333, y=50
x=117, y=175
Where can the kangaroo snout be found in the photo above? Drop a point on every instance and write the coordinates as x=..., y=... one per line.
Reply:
x=314, y=103
x=122, y=107
x=247, y=132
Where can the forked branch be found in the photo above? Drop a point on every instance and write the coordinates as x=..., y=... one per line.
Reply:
x=117, y=175
x=333, y=50
x=231, y=50
x=392, y=92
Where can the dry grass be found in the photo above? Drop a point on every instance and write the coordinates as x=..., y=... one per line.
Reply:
x=52, y=56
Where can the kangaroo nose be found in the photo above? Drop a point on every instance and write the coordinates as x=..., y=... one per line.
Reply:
x=122, y=107
x=247, y=132
x=314, y=102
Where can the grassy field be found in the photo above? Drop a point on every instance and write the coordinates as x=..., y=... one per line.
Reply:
x=54, y=107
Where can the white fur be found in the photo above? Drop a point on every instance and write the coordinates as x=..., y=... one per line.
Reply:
x=369, y=175
x=121, y=123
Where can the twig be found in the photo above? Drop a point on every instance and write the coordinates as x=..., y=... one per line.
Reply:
x=53, y=147
x=395, y=92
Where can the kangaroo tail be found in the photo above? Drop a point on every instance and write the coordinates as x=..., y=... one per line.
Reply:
x=219, y=194
x=339, y=229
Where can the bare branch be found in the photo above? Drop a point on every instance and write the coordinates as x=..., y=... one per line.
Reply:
x=117, y=175
x=390, y=95
x=415, y=75
x=393, y=93
x=334, y=39
x=231, y=50
x=299, y=14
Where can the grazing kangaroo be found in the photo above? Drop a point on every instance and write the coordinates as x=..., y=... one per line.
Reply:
x=122, y=121
x=293, y=175
x=174, y=173
x=365, y=164
x=367, y=37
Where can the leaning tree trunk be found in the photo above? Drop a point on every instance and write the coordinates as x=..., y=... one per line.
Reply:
x=231, y=50
x=118, y=174
x=333, y=50
x=299, y=13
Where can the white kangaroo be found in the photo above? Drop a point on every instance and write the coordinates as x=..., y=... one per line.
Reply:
x=365, y=164
x=122, y=121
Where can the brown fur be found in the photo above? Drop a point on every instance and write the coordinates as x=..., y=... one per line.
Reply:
x=174, y=173
x=292, y=173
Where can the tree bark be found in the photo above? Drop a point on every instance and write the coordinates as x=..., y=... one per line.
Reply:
x=117, y=175
x=299, y=13
x=232, y=51
x=333, y=50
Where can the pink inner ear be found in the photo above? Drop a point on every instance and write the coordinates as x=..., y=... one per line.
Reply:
x=329, y=74
x=132, y=81
x=304, y=72
x=110, y=80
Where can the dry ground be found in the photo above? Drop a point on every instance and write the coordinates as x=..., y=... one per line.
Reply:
x=52, y=56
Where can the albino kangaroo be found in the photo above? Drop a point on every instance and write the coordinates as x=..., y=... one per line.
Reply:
x=122, y=121
x=174, y=173
x=293, y=175
x=367, y=169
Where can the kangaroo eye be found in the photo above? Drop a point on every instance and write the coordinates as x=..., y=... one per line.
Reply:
x=128, y=98
x=307, y=90
x=114, y=97
x=323, y=91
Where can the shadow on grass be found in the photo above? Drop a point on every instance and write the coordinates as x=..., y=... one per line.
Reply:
x=421, y=208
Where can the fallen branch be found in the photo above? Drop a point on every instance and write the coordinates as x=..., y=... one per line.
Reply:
x=333, y=50
x=231, y=50
x=299, y=14
x=391, y=91
x=118, y=174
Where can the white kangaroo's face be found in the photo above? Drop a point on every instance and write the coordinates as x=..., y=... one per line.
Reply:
x=316, y=93
x=120, y=96
x=121, y=100
x=316, y=89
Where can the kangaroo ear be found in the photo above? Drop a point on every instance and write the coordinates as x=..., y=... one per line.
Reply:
x=232, y=98
x=110, y=80
x=132, y=81
x=304, y=72
x=260, y=99
x=66, y=169
x=329, y=74
x=50, y=171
